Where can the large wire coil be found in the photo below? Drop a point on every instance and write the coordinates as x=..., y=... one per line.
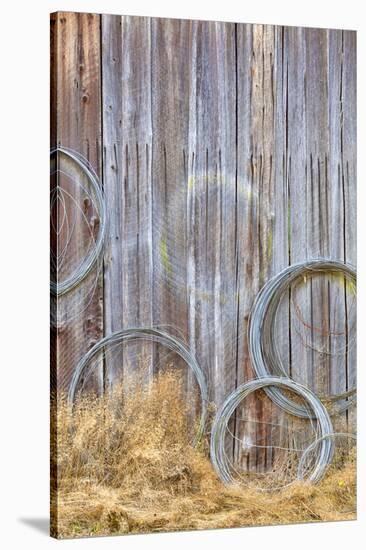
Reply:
x=218, y=454
x=263, y=353
x=85, y=365
x=59, y=288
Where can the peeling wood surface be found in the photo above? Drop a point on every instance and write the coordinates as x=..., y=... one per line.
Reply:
x=227, y=152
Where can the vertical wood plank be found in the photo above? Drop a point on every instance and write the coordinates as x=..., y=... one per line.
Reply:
x=76, y=125
x=256, y=162
x=337, y=206
x=318, y=229
x=244, y=432
x=296, y=166
x=212, y=191
x=278, y=241
x=170, y=63
x=349, y=183
x=53, y=183
x=127, y=131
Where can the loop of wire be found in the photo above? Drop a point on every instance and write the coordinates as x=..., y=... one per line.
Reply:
x=301, y=470
x=85, y=365
x=59, y=288
x=218, y=454
x=263, y=353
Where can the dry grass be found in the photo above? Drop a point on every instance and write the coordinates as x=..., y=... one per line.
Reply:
x=124, y=464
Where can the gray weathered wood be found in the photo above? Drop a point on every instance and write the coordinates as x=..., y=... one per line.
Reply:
x=127, y=131
x=211, y=204
x=229, y=153
x=170, y=66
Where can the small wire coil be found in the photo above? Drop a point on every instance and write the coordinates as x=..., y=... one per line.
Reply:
x=301, y=470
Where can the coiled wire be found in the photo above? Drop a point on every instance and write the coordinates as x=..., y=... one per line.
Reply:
x=264, y=357
x=218, y=455
x=301, y=470
x=85, y=366
x=58, y=288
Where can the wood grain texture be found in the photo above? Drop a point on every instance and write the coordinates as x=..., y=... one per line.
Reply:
x=170, y=69
x=211, y=274
x=76, y=124
x=127, y=139
x=256, y=125
x=348, y=102
x=228, y=154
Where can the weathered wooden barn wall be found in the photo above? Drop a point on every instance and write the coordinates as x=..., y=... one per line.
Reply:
x=227, y=152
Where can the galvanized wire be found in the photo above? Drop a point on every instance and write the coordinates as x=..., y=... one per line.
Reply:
x=302, y=469
x=85, y=365
x=264, y=355
x=59, y=288
x=78, y=298
x=218, y=455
